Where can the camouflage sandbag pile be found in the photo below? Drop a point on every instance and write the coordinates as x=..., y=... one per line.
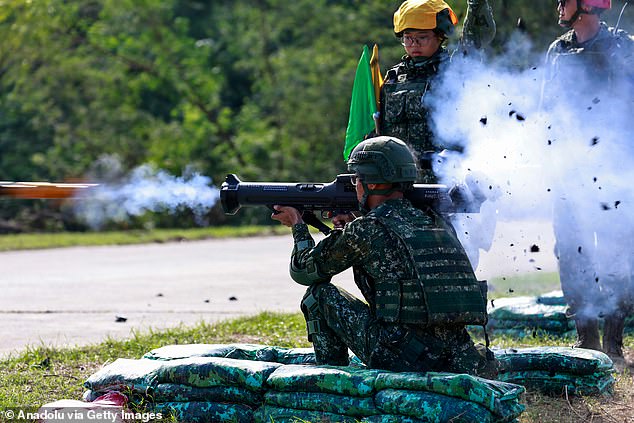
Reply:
x=523, y=316
x=557, y=370
x=255, y=383
x=447, y=397
x=316, y=393
x=354, y=394
x=194, y=389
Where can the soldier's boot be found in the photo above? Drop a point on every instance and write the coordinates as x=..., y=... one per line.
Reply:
x=588, y=334
x=329, y=348
x=613, y=336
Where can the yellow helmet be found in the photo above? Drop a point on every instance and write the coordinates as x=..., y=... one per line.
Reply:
x=424, y=14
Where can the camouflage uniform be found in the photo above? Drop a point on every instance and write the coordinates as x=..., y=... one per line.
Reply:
x=597, y=69
x=605, y=58
x=404, y=261
x=404, y=110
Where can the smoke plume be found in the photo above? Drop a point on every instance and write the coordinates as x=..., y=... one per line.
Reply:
x=120, y=196
x=533, y=145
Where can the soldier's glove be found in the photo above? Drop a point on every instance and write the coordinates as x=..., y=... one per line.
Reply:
x=462, y=198
x=479, y=25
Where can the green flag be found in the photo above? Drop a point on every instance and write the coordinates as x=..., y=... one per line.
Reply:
x=362, y=105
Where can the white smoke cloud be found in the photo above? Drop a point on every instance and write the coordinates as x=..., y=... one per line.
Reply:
x=527, y=154
x=144, y=189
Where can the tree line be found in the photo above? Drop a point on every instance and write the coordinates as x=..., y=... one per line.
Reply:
x=255, y=87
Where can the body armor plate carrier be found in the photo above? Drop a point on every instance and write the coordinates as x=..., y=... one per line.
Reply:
x=445, y=289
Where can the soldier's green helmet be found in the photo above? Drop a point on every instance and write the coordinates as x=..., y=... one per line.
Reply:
x=382, y=160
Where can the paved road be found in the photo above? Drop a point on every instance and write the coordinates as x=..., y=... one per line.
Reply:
x=72, y=296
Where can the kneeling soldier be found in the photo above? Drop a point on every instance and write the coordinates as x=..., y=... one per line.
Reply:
x=419, y=288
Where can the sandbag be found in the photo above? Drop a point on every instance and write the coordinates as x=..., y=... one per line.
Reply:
x=254, y=352
x=578, y=361
x=532, y=323
x=551, y=383
x=318, y=401
x=124, y=375
x=431, y=407
x=557, y=370
x=269, y=414
x=391, y=418
x=205, y=372
x=205, y=412
x=527, y=309
x=500, y=398
x=552, y=298
x=171, y=392
x=175, y=352
x=328, y=379
x=296, y=356
x=523, y=332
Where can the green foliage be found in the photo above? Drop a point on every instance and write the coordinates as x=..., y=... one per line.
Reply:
x=258, y=88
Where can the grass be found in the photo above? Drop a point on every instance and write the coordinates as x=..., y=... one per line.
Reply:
x=56, y=240
x=523, y=285
x=42, y=374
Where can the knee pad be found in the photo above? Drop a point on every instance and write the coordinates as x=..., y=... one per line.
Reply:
x=310, y=308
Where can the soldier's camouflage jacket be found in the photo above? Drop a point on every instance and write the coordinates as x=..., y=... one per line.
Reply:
x=601, y=66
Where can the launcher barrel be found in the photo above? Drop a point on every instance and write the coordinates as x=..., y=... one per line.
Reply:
x=42, y=190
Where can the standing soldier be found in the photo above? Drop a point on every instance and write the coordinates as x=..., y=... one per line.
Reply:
x=419, y=289
x=588, y=64
x=423, y=27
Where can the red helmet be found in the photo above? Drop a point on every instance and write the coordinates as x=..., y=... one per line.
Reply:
x=601, y=4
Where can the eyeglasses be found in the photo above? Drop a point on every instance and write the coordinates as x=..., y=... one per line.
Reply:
x=421, y=40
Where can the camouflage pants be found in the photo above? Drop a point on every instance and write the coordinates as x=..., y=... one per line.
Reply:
x=596, y=278
x=338, y=321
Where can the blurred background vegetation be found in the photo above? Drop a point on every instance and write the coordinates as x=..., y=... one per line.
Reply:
x=260, y=88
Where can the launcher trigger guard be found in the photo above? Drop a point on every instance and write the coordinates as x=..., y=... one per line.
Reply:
x=312, y=220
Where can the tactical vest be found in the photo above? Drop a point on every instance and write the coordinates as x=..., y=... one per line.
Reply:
x=594, y=65
x=445, y=289
x=405, y=114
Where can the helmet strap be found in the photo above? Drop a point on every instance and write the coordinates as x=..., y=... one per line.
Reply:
x=568, y=23
x=363, y=203
x=367, y=192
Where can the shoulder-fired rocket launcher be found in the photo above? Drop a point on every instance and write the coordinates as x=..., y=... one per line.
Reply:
x=336, y=197
x=42, y=190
